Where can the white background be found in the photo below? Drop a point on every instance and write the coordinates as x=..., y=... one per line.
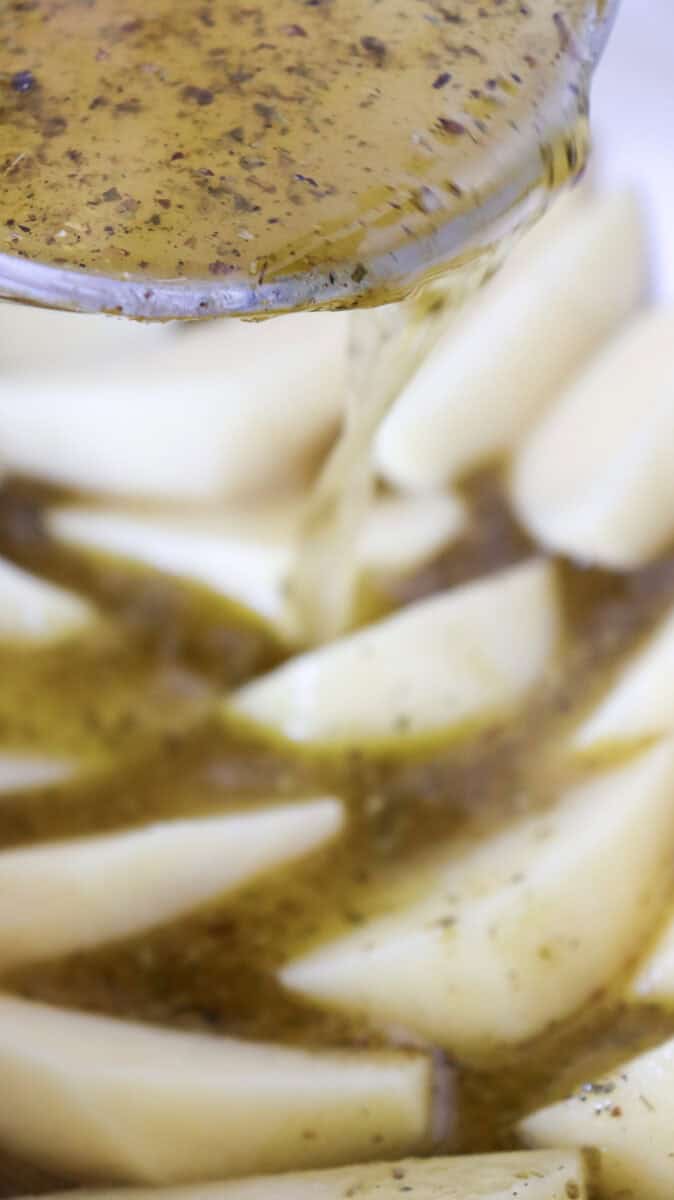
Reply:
x=633, y=118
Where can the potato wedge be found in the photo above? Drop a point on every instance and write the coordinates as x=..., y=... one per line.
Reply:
x=207, y=419
x=32, y=337
x=627, y=1115
x=520, y=932
x=532, y=1175
x=72, y=895
x=654, y=980
x=516, y=346
x=593, y=480
x=640, y=704
x=403, y=533
x=104, y=1099
x=35, y=611
x=247, y=554
x=456, y=660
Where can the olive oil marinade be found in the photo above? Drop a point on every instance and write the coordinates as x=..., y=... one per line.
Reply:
x=225, y=142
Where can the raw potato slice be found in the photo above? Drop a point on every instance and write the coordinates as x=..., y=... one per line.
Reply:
x=33, y=337
x=72, y=895
x=641, y=703
x=114, y=1100
x=628, y=1116
x=522, y=930
x=23, y=772
x=32, y=610
x=403, y=533
x=566, y=207
x=247, y=555
x=532, y=1175
x=655, y=979
x=457, y=659
x=594, y=480
x=209, y=419
x=524, y=336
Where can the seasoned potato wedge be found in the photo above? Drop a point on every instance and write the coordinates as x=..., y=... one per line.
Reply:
x=458, y=659
x=72, y=895
x=628, y=1116
x=512, y=936
x=100, y=1098
x=593, y=480
x=546, y=1175
x=517, y=344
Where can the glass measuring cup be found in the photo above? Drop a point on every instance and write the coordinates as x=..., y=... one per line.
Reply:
x=212, y=160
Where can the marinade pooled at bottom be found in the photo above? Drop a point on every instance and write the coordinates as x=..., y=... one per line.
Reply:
x=135, y=702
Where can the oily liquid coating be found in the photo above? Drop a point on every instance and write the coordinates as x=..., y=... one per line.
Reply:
x=219, y=141
x=140, y=698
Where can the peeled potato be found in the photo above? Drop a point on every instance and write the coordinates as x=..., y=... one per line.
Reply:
x=205, y=420
x=628, y=1116
x=72, y=895
x=641, y=704
x=460, y=658
x=33, y=337
x=103, y=1099
x=565, y=207
x=521, y=931
x=593, y=481
x=245, y=556
x=521, y=340
x=654, y=981
x=402, y=533
x=32, y=610
x=23, y=772
x=532, y=1175
x=248, y=554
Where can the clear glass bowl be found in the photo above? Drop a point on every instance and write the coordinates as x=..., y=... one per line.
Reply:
x=523, y=151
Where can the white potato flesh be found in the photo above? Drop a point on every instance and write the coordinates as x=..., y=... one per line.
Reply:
x=565, y=207
x=214, y=417
x=459, y=658
x=521, y=931
x=593, y=481
x=641, y=703
x=104, y=1099
x=628, y=1116
x=654, y=981
x=33, y=337
x=248, y=554
x=24, y=772
x=403, y=533
x=523, y=1175
x=72, y=895
x=516, y=346
x=35, y=611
